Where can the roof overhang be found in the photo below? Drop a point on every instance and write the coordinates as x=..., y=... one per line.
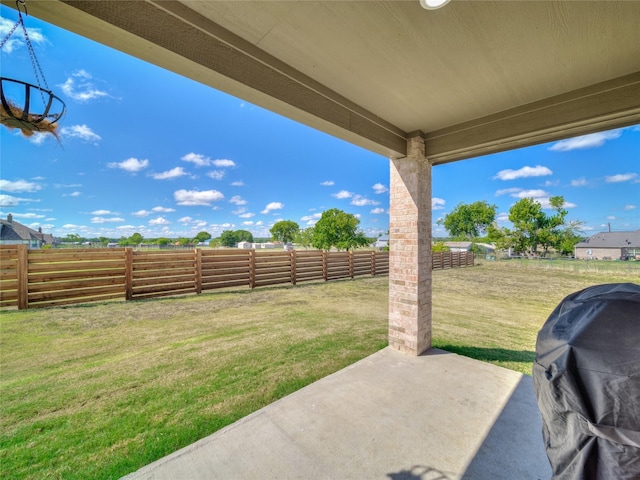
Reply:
x=473, y=78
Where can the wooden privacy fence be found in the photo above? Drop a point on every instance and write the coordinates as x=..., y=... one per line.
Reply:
x=44, y=278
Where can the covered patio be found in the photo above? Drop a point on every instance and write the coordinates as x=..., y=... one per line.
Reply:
x=423, y=88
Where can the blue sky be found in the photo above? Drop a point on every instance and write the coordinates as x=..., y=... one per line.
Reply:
x=145, y=150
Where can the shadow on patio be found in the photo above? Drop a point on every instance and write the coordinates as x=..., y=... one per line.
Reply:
x=439, y=416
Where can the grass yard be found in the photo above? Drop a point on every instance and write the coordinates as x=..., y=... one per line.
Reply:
x=97, y=391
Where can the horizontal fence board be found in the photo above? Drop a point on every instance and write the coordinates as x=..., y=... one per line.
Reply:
x=75, y=293
x=225, y=264
x=162, y=272
x=73, y=266
x=73, y=285
x=268, y=276
x=51, y=256
x=172, y=280
x=55, y=276
x=75, y=301
x=230, y=276
x=184, y=287
x=237, y=283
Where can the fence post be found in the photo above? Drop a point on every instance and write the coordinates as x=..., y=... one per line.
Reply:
x=351, y=263
x=373, y=263
x=325, y=268
x=128, y=273
x=292, y=262
x=198, y=270
x=252, y=269
x=23, y=277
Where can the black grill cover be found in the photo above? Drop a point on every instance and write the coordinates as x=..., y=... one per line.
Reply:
x=587, y=382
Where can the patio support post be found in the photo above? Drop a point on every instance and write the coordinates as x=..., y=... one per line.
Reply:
x=410, y=250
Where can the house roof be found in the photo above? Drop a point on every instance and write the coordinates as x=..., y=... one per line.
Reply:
x=10, y=230
x=466, y=245
x=612, y=240
x=472, y=78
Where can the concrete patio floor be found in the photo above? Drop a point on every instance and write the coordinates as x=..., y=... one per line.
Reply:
x=439, y=416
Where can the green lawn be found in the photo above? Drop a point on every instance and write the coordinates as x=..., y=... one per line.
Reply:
x=97, y=391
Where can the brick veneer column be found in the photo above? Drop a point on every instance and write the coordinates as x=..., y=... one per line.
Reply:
x=410, y=251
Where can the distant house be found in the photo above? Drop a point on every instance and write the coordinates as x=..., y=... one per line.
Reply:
x=382, y=242
x=14, y=233
x=459, y=246
x=245, y=245
x=610, y=246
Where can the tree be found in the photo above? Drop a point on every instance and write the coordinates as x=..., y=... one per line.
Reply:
x=284, y=231
x=229, y=238
x=202, y=237
x=72, y=238
x=534, y=229
x=136, y=239
x=304, y=237
x=338, y=229
x=469, y=220
x=244, y=236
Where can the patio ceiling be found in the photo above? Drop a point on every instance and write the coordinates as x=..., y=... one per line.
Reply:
x=474, y=77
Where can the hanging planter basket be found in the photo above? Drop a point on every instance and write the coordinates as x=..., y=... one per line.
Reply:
x=28, y=107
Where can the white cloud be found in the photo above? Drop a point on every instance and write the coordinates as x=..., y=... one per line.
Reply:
x=19, y=186
x=502, y=217
x=530, y=194
x=360, y=201
x=131, y=165
x=72, y=194
x=216, y=174
x=159, y=221
x=506, y=191
x=173, y=173
x=185, y=220
x=328, y=183
x=585, y=141
x=197, y=159
x=272, y=206
x=437, y=203
x=200, y=160
x=524, y=172
x=380, y=188
x=82, y=132
x=223, y=162
x=141, y=213
x=611, y=217
x=237, y=200
x=159, y=209
x=622, y=177
x=248, y=223
x=247, y=215
x=106, y=220
x=629, y=207
x=27, y=215
x=9, y=201
x=377, y=211
x=311, y=218
x=238, y=183
x=79, y=87
x=239, y=210
x=17, y=39
x=103, y=212
x=579, y=182
x=342, y=194
x=197, y=197
x=38, y=138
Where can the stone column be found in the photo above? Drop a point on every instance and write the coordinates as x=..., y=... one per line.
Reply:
x=410, y=251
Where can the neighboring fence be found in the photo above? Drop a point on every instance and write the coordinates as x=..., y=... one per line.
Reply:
x=44, y=278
